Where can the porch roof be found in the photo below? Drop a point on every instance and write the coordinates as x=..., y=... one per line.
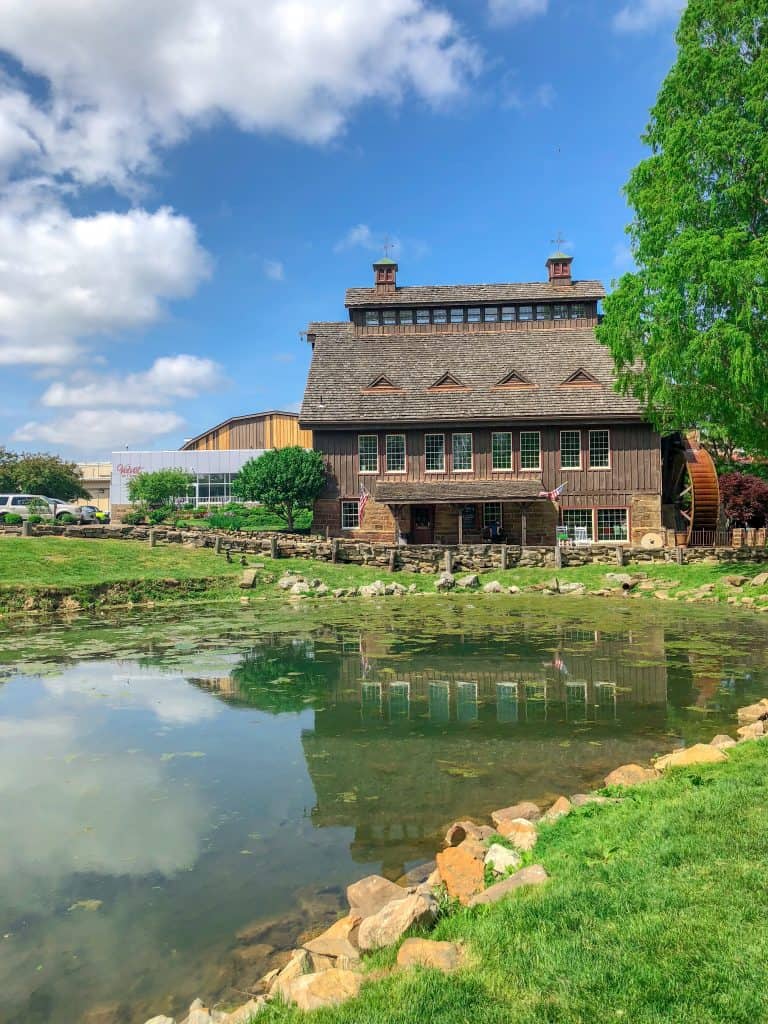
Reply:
x=420, y=492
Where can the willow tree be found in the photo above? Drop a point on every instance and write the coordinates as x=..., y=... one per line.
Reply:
x=688, y=330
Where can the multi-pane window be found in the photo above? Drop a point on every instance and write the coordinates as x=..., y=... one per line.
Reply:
x=457, y=315
x=578, y=310
x=543, y=312
x=501, y=450
x=389, y=316
x=434, y=453
x=579, y=523
x=491, y=314
x=368, y=453
x=350, y=515
x=371, y=318
x=473, y=315
x=599, y=449
x=462, y=452
x=570, y=449
x=525, y=313
x=492, y=513
x=422, y=316
x=439, y=316
x=560, y=311
x=507, y=313
x=611, y=524
x=406, y=316
x=530, y=449
x=395, y=453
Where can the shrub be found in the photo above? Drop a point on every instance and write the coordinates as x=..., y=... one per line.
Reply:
x=158, y=515
x=12, y=519
x=67, y=518
x=34, y=520
x=745, y=499
x=134, y=518
x=225, y=521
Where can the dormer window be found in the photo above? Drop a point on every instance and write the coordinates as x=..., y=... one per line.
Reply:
x=389, y=317
x=371, y=318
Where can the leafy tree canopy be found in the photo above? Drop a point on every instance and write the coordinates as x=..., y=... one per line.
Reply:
x=745, y=499
x=40, y=473
x=284, y=480
x=160, y=488
x=689, y=329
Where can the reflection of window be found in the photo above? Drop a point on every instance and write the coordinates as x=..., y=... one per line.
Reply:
x=578, y=519
x=611, y=524
x=434, y=453
x=371, y=318
x=462, y=453
x=469, y=517
x=570, y=449
x=368, y=453
x=530, y=449
x=492, y=513
x=501, y=450
x=599, y=449
x=395, y=453
x=350, y=515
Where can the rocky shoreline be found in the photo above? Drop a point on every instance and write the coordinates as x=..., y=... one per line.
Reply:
x=478, y=865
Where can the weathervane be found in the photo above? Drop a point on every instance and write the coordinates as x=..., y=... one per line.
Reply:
x=388, y=246
x=559, y=241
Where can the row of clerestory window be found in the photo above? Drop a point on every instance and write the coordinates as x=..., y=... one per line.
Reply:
x=478, y=314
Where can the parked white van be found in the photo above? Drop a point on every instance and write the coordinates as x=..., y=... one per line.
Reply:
x=26, y=505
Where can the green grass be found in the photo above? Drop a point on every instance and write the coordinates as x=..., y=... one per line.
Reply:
x=655, y=913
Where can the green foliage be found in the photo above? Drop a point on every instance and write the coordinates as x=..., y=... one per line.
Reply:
x=12, y=519
x=284, y=480
x=134, y=517
x=160, y=488
x=66, y=517
x=40, y=474
x=34, y=520
x=695, y=313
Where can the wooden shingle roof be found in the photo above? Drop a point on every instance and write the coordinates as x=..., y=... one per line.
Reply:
x=418, y=491
x=345, y=363
x=475, y=294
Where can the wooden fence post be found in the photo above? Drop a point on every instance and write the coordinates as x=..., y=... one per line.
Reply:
x=26, y=529
x=335, y=550
x=217, y=544
x=448, y=562
x=152, y=539
x=392, y=557
x=503, y=556
x=619, y=555
x=273, y=549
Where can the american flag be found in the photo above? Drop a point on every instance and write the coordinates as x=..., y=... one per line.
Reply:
x=362, y=501
x=553, y=495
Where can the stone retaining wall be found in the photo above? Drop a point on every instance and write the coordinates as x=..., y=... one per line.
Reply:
x=409, y=558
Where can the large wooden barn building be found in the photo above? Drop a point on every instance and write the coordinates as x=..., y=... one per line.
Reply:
x=453, y=410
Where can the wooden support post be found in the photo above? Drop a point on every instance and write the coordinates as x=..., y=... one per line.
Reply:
x=327, y=530
x=217, y=544
x=619, y=555
x=152, y=539
x=26, y=528
x=273, y=549
x=335, y=550
x=448, y=562
x=461, y=528
x=558, y=555
x=503, y=557
x=523, y=525
x=679, y=555
x=392, y=557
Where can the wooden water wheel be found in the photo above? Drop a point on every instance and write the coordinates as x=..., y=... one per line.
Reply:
x=693, y=489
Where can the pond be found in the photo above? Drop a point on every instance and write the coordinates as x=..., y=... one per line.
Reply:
x=180, y=801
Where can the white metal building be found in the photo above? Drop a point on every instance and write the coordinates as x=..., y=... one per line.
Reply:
x=213, y=472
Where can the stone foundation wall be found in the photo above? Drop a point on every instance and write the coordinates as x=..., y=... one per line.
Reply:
x=645, y=516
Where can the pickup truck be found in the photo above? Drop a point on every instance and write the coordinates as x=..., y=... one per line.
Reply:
x=26, y=505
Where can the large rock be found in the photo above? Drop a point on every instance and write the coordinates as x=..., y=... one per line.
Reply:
x=493, y=587
x=753, y=712
x=754, y=731
x=161, y=1020
x=722, y=741
x=299, y=965
x=335, y=948
x=248, y=579
x=559, y=809
x=443, y=956
x=244, y=1014
x=699, y=753
x=386, y=927
x=582, y=799
x=760, y=580
x=461, y=872
x=418, y=875
x=300, y=588
x=315, y=991
x=534, y=875
x=290, y=580
x=630, y=775
x=370, y=894
x=470, y=582
x=520, y=832
x=461, y=830
x=445, y=582
x=735, y=580
x=525, y=809
x=502, y=859
x=375, y=589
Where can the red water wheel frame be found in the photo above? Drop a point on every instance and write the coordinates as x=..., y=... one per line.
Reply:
x=704, y=491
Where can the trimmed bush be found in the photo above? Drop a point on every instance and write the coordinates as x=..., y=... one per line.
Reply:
x=13, y=519
x=67, y=518
x=34, y=520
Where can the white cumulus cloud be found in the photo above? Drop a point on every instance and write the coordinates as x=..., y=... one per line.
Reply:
x=274, y=270
x=506, y=12
x=169, y=377
x=94, y=430
x=642, y=15
x=127, y=78
x=65, y=278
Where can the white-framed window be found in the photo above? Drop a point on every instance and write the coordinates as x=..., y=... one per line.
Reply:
x=501, y=450
x=371, y=318
x=530, y=449
x=570, y=449
x=395, y=453
x=612, y=524
x=350, y=515
x=434, y=453
x=492, y=513
x=368, y=453
x=578, y=519
x=461, y=447
x=599, y=449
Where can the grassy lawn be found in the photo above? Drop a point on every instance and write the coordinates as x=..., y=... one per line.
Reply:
x=655, y=913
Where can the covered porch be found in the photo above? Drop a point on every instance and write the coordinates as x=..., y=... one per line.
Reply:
x=451, y=512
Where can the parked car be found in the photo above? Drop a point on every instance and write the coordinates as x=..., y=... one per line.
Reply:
x=94, y=512
x=26, y=505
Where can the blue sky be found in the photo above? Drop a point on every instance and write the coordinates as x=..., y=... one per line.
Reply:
x=184, y=185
